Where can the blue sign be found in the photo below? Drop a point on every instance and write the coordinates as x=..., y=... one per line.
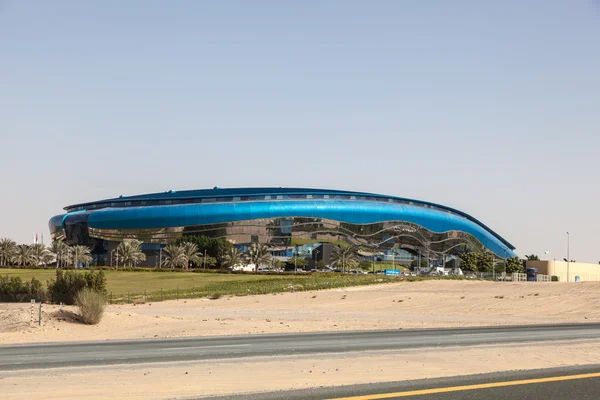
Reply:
x=392, y=272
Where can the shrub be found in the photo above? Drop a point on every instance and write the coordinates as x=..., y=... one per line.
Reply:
x=91, y=305
x=554, y=278
x=14, y=289
x=68, y=283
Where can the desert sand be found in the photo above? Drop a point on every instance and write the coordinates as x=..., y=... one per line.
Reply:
x=405, y=305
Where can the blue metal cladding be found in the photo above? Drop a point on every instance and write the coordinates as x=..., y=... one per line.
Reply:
x=56, y=223
x=356, y=212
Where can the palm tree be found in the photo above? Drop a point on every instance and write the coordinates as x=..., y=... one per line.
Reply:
x=81, y=255
x=258, y=254
x=190, y=254
x=232, y=258
x=129, y=251
x=61, y=251
x=41, y=255
x=344, y=256
x=173, y=256
x=8, y=249
x=24, y=255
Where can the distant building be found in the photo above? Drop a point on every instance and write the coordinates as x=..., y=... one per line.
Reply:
x=582, y=272
x=292, y=222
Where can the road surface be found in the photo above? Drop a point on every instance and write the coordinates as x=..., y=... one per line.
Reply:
x=18, y=357
x=573, y=383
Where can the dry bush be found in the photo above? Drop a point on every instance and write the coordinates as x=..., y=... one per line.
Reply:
x=91, y=305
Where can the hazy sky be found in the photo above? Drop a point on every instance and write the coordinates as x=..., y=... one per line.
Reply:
x=489, y=107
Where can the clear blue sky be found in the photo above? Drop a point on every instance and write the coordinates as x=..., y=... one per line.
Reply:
x=489, y=107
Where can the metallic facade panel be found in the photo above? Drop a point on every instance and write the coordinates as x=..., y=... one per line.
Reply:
x=354, y=212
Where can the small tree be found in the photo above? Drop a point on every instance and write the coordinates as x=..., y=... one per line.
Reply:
x=24, y=255
x=514, y=265
x=81, y=255
x=61, y=252
x=344, y=256
x=173, y=256
x=365, y=265
x=40, y=254
x=296, y=262
x=232, y=258
x=484, y=262
x=130, y=253
x=8, y=250
x=468, y=262
x=532, y=257
x=190, y=254
x=276, y=263
x=212, y=247
x=258, y=254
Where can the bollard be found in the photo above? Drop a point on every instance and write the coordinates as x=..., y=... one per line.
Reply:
x=32, y=306
x=60, y=307
x=127, y=297
x=144, y=295
x=40, y=315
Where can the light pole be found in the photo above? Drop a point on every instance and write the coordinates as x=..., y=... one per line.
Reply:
x=204, y=258
x=316, y=252
x=568, y=255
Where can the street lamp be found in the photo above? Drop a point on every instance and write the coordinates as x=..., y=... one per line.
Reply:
x=568, y=255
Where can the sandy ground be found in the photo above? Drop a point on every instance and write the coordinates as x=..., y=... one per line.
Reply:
x=190, y=380
x=405, y=305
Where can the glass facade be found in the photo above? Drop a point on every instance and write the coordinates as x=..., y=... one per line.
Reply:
x=300, y=231
x=282, y=219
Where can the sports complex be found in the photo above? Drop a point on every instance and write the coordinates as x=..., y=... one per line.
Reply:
x=291, y=221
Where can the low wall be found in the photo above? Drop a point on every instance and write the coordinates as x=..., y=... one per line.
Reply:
x=586, y=272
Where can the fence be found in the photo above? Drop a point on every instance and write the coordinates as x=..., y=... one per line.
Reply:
x=518, y=277
x=544, y=278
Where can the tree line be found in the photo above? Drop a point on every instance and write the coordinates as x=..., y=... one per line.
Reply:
x=28, y=255
x=203, y=251
x=485, y=263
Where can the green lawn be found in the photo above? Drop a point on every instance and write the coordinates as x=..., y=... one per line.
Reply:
x=123, y=282
x=156, y=286
x=387, y=265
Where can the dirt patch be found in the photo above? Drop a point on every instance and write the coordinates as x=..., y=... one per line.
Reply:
x=428, y=304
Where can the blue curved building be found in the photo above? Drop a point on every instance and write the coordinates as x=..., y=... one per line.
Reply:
x=283, y=218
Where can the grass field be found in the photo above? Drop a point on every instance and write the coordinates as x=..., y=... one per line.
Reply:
x=124, y=286
x=123, y=282
x=379, y=266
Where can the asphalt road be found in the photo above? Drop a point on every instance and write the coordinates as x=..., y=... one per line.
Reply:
x=20, y=357
x=572, y=383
